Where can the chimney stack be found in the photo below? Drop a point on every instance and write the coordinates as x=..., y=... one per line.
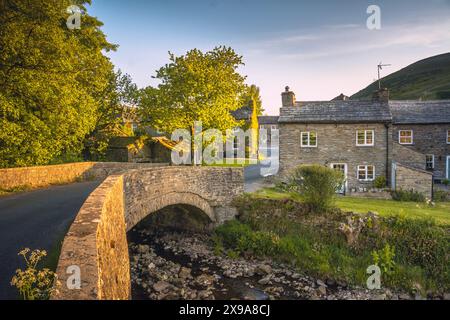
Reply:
x=381, y=95
x=288, y=98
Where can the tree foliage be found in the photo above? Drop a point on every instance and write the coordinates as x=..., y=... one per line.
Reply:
x=52, y=80
x=197, y=86
x=252, y=94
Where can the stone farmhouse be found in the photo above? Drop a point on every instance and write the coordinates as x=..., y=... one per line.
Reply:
x=407, y=142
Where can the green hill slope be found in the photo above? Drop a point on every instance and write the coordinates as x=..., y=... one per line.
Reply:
x=427, y=79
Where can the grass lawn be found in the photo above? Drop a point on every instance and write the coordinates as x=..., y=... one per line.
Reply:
x=440, y=212
x=236, y=163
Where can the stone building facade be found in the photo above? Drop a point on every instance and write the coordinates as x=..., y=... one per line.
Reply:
x=362, y=139
x=424, y=127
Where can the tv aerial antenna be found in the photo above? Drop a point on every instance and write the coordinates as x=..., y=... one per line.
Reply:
x=380, y=67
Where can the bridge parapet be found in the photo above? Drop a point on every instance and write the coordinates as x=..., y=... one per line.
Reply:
x=96, y=242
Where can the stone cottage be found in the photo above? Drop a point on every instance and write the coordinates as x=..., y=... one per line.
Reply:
x=367, y=139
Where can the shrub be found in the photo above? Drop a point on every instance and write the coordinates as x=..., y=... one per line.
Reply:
x=384, y=258
x=419, y=242
x=441, y=196
x=317, y=185
x=408, y=196
x=446, y=182
x=380, y=182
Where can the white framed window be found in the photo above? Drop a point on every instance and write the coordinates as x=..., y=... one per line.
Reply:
x=365, y=138
x=430, y=161
x=405, y=137
x=308, y=139
x=366, y=173
x=448, y=136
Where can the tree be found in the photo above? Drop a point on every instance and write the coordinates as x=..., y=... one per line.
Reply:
x=197, y=86
x=52, y=80
x=252, y=94
x=118, y=99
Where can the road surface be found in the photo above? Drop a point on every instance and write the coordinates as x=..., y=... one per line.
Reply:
x=36, y=220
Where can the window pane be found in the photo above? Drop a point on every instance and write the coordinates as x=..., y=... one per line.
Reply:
x=312, y=139
x=369, y=137
x=304, y=138
x=361, y=173
x=370, y=172
x=360, y=137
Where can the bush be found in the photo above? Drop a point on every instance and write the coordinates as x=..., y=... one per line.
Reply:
x=314, y=244
x=380, y=182
x=408, y=196
x=446, y=182
x=317, y=185
x=441, y=196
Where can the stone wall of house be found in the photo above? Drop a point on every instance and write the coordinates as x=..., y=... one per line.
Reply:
x=96, y=243
x=429, y=139
x=408, y=156
x=336, y=144
x=409, y=178
x=151, y=152
x=44, y=176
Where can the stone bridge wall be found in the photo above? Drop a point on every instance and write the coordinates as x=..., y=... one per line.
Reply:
x=97, y=242
x=44, y=176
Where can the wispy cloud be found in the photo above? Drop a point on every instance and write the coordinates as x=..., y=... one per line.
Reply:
x=339, y=40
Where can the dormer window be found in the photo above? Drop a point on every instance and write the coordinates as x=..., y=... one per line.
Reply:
x=405, y=137
x=365, y=138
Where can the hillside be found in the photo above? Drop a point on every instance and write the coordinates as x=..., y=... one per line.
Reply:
x=427, y=79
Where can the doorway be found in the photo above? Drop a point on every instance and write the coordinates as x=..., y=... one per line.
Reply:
x=342, y=167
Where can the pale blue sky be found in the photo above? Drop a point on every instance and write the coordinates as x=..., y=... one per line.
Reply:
x=318, y=48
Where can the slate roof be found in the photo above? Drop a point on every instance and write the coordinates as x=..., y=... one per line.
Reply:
x=349, y=111
x=268, y=119
x=244, y=113
x=420, y=112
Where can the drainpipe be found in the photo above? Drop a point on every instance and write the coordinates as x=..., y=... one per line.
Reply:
x=388, y=182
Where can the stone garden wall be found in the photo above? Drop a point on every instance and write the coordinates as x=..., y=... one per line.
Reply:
x=44, y=176
x=409, y=178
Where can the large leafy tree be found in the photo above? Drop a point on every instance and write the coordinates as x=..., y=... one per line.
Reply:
x=52, y=80
x=197, y=86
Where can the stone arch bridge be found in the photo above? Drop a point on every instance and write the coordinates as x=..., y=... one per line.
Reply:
x=96, y=244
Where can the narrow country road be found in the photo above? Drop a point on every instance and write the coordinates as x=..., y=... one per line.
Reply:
x=37, y=220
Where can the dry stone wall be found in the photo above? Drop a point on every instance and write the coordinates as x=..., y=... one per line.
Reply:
x=44, y=176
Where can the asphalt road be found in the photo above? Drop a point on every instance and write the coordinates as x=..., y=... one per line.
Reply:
x=36, y=220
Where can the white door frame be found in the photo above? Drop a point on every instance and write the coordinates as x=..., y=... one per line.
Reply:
x=345, y=173
x=447, y=164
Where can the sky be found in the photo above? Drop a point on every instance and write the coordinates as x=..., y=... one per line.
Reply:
x=318, y=48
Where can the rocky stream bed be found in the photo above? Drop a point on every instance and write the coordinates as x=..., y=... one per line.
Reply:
x=167, y=265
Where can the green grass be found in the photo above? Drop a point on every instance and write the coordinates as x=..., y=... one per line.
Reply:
x=236, y=163
x=440, y=212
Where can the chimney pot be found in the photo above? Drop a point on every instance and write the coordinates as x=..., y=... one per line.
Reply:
x=288, y=98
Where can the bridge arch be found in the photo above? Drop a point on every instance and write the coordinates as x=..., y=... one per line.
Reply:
x=170, y=199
